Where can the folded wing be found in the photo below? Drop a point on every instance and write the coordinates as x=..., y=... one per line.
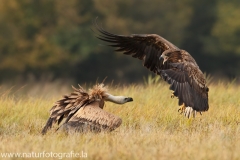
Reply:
x=92, y=118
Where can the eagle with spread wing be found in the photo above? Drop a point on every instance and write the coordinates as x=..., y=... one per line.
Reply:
x=174, y=65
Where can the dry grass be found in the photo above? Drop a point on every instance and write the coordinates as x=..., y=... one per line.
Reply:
x=151, y=129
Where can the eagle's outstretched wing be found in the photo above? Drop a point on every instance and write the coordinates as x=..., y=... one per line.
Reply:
x=179, y=69
x=146, y=47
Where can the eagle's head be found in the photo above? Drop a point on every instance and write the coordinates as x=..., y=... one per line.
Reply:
x=172, y=55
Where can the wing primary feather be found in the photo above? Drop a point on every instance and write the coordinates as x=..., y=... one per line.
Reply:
x=107, y=40
x=108, y=37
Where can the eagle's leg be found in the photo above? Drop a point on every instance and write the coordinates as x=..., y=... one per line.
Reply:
x=187, y=111
x=182, y=108
x=172, y=95
x=190, y=111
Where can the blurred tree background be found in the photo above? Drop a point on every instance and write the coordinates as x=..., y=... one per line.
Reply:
x=53, y=38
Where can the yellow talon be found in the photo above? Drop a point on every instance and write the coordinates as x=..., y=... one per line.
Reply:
x=172, y=95
x=182, y=108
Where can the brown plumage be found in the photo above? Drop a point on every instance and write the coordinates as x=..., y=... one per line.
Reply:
x=84, y=112
x=174, y=65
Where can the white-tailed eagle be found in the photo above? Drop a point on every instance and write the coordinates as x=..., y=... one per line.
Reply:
x=174, y=65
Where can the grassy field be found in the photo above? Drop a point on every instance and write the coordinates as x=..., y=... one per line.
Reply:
x=151, y=129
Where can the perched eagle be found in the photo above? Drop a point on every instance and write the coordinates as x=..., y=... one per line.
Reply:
x=174, y=65
x=84, y=111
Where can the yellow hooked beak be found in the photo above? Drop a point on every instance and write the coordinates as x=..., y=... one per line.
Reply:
x=164, y=57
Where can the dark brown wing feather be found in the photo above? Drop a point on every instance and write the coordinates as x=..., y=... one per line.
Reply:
x=188, y=84
x=180, y=70
x=66, y=107
x=146, y=47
